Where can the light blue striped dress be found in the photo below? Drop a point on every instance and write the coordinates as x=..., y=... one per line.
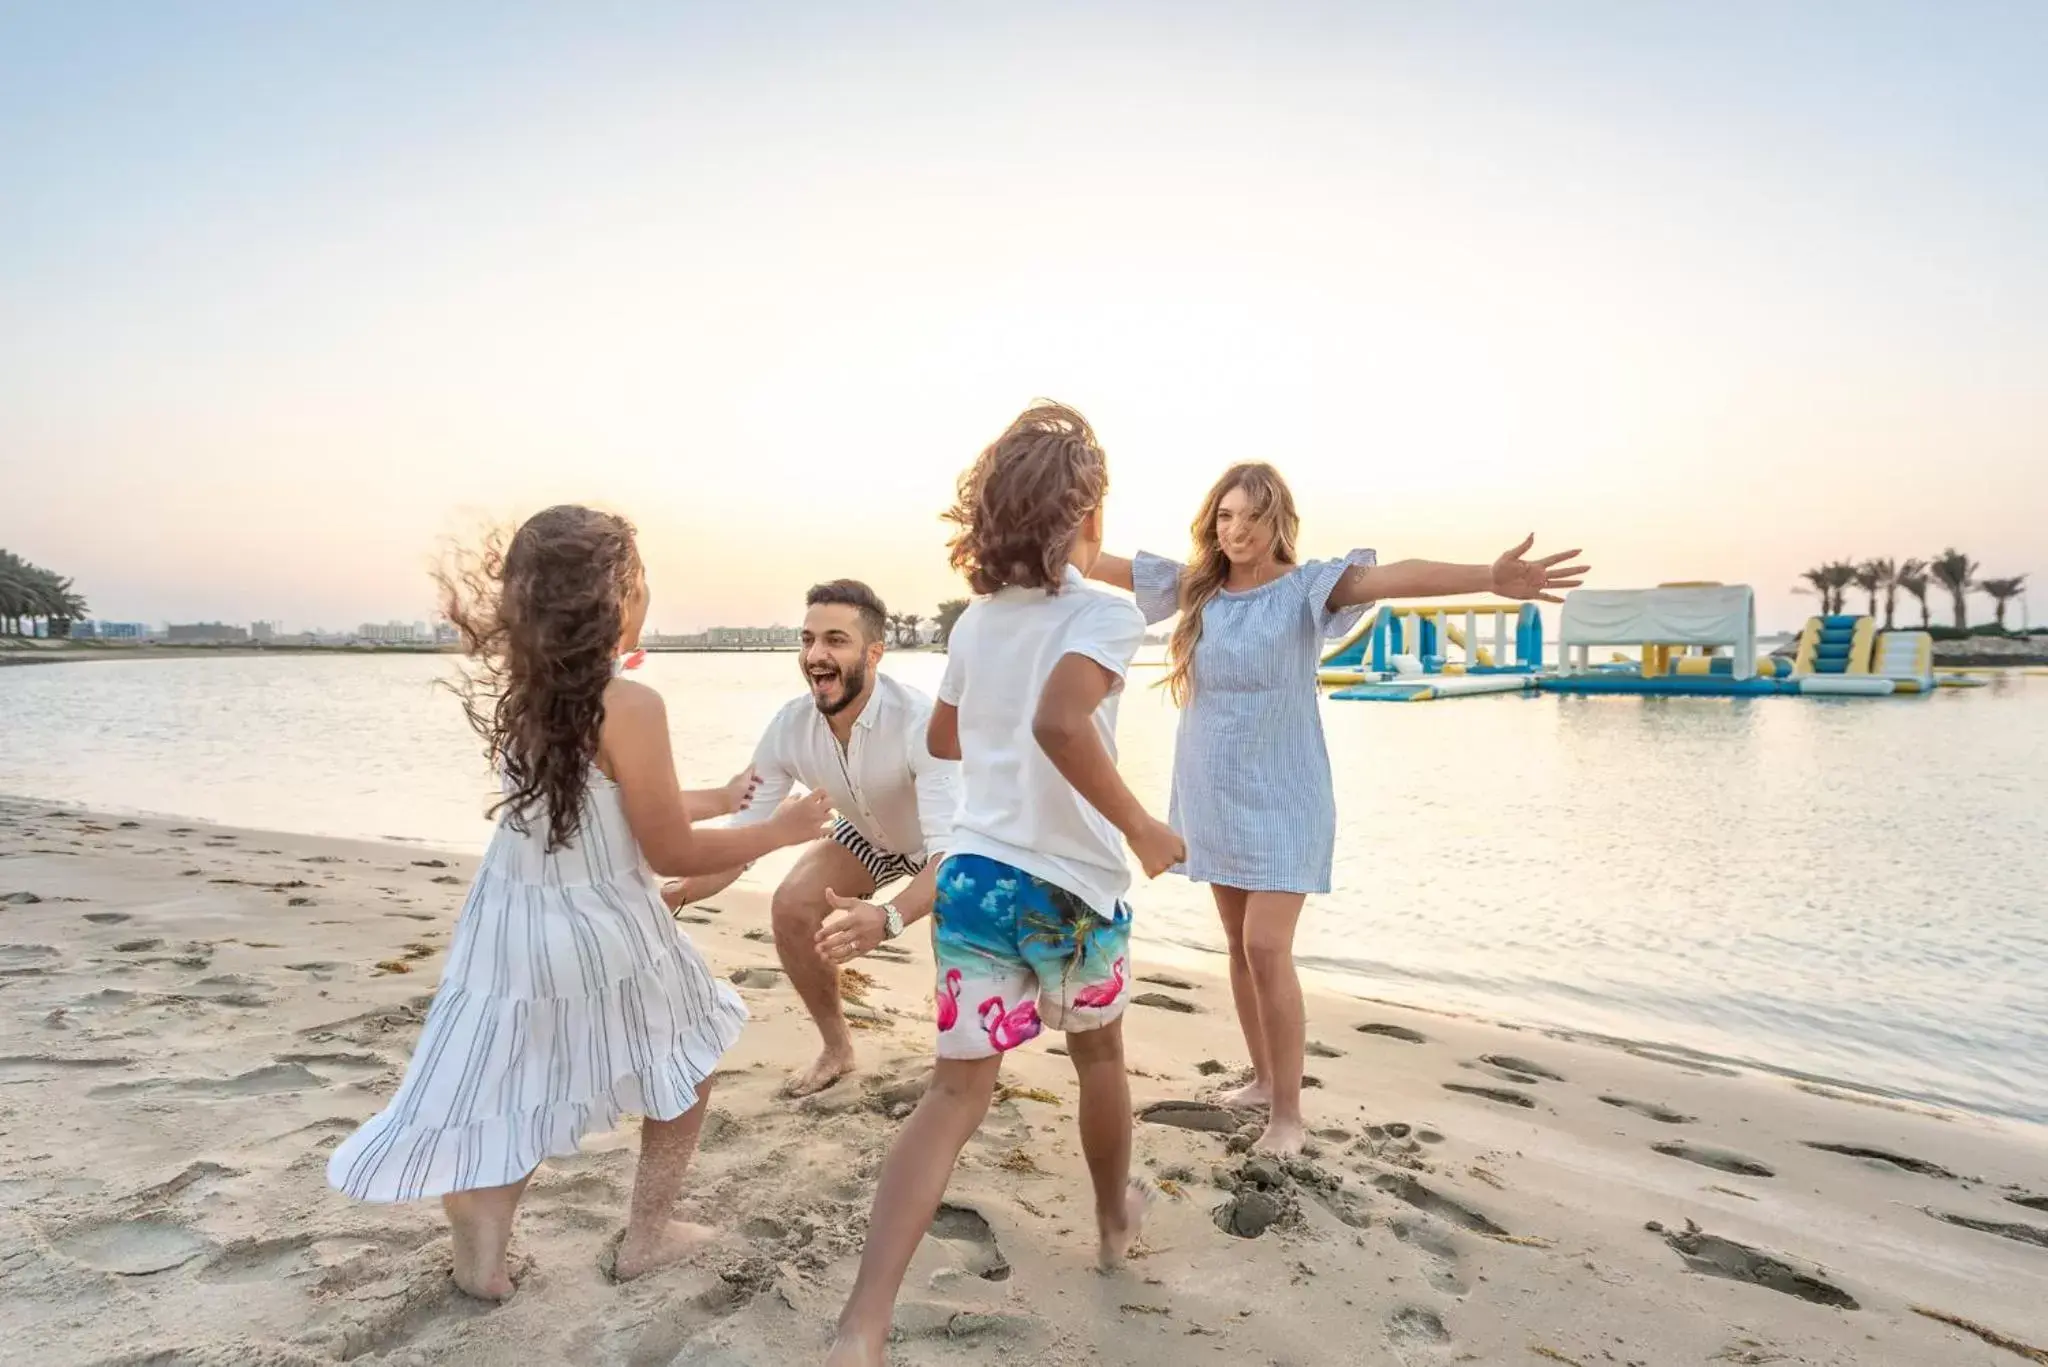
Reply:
x=570, y=999
x=1251, y=773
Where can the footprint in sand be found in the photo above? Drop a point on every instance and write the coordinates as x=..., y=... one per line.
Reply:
x=20, y=899
x=1512, y=1064
x=1440, y=1254
x=1167, y=980
x=1884, y=1157
x=1205, y=1117
x=1504, y=1074
x=1399, y=1032
x=756, y=977
x=1718, y=1257
x=107, y=918
x=1719, y=1159
x=266, y=1081
x=1650, y=1109
x=1159, y=1001
x=963, y=1225
x=2018, y=1233
x=39, y=1067
x=1413, y=1325
x=1404, y=1187
x=131, y=1248
x=2020, y=1198
x=138, y=946
x=1503, y=1095
x=1315, y=1048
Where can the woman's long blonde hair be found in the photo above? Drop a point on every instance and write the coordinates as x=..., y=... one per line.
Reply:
x=1208, y=568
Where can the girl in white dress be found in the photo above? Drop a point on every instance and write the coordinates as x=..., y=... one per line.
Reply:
x=570, y=998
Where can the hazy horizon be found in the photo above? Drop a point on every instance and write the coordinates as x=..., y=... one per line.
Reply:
x=1715, y=292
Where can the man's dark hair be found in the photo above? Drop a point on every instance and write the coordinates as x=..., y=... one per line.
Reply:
x=851, y=593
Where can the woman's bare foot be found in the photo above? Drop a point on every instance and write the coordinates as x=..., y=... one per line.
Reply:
x=1253, y=1093
x=1282, y=1139
x=828, y=1068
x=1118, y=1238
x=640, y=1254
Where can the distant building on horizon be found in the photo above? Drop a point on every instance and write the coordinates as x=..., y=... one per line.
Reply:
x=110, y=631
x=205, y=634
x=394, y=633
x=263, y=633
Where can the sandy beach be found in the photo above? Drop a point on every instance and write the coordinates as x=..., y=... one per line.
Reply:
x=195, y=1016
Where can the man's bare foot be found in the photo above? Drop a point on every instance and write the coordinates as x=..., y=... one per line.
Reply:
x=1253, y=1093
x=855, y=1352
x=829, y=1067
x=639, y=1255
x=1117, y=1239
x=1282, y=1139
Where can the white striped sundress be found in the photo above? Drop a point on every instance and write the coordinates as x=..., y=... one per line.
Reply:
x=570, y=999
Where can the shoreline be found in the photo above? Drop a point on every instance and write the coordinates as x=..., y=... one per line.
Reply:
x=195, y=1015
x=1179, y=954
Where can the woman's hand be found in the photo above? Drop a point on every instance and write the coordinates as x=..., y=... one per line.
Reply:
x=800, y=820
x=1514, y=577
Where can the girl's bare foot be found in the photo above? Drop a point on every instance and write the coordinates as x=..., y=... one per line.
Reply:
x=1283, y=1139
x=640, y=1254
x=1253, y=1093
x=481, y=1225
x=855, y=1352
x=1118, y=1237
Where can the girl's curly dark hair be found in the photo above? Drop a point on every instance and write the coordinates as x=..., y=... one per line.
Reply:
x=541, y=619
x=1022, y=502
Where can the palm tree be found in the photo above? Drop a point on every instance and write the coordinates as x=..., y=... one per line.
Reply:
x=1957, y=573
x=1912, y=577
x=903, y=625
x=1884, y=575
x=947, y=617
x=1870, y=576
x=29, y=592
x=1841, y=574
x=1817, y=582
x=2002, y=591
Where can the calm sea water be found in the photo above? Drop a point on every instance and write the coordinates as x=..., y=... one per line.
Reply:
x=1852, y=889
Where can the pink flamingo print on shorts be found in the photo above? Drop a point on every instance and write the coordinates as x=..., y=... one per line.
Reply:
x=1009, y=1031
x=948, y=999
x=1102, y=994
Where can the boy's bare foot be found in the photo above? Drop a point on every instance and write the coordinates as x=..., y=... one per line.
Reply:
x=855, y=1352
x=1118, y=1239
x=1282, y=1139
x=639, y=1255
x=829, y=1067
x=1253, y=1093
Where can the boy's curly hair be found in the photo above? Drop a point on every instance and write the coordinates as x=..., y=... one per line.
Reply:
x=1022, y=502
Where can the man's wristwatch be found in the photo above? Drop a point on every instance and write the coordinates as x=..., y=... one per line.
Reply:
x=892, y=921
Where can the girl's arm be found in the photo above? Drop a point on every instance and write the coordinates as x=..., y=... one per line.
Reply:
x=635, y=750
x=1112, y=570
x=1510, y=576
x=705, y=803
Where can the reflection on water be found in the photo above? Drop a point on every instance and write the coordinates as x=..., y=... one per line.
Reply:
x=1853, y=888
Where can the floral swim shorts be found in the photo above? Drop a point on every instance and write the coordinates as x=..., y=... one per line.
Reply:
x=1017, y=954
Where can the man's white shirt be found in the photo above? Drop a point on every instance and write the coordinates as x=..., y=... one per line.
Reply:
x=885, y=783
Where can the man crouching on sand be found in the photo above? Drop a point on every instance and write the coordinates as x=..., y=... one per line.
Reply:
x=860, y=737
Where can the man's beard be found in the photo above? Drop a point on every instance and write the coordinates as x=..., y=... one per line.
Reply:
x=852, y=683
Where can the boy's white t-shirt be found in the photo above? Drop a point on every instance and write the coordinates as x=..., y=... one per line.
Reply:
x=1014, y=805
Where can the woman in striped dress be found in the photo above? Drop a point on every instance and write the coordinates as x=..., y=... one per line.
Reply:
x=1251, y=774
x=570, y=998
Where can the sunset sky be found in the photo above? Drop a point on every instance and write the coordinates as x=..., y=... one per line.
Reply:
x=291, y=292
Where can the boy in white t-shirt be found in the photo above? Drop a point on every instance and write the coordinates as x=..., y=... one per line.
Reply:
x=1030, y=928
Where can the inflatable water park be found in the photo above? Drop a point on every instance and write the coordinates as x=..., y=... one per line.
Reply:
x=1688, y=640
